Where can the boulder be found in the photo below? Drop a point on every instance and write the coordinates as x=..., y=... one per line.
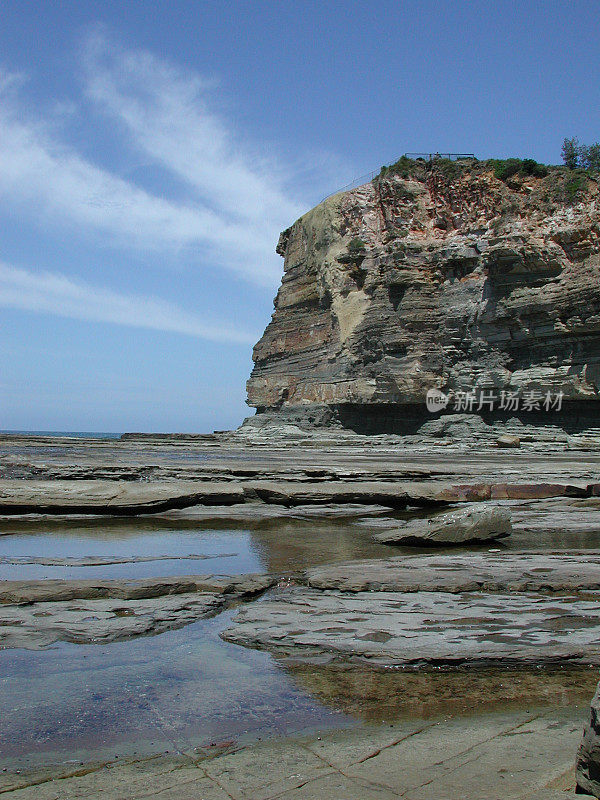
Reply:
x=476, y=523
x=508, y=440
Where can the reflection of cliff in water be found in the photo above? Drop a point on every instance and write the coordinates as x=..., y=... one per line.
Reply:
x=379, y=695
x=288, y=545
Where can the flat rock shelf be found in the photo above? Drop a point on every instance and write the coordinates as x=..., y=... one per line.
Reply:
x=493, y=572
x=420, y=628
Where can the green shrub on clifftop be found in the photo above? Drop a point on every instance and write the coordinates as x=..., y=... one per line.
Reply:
x=403, y=168
x=507, y=167
x=581, y=156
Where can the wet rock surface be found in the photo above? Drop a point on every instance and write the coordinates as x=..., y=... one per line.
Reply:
x=526, y=753
x=100, y=621
x=533, y=602
x=147, y=588
x=36, y=614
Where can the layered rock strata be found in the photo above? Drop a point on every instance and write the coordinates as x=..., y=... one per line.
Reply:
x=128, y=499
x=445, y=277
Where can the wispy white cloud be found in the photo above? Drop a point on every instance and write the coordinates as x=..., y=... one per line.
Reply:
x=235, y=204
x=167, y=113
x=56, y=294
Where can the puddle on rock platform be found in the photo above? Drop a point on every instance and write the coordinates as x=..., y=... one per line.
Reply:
x=32, y=551
x=187, y=688
x=169, y=692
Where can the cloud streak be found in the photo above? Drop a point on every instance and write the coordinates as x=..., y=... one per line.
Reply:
x=232, y=205
x=56, y=294
x=167, y=115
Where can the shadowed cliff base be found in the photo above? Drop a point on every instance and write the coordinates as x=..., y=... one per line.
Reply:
x=575, y=417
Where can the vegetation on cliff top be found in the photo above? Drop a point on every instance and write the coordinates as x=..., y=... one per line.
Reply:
x=566, y=183
x=418, y=169
x=506, y=168
x=583, y=158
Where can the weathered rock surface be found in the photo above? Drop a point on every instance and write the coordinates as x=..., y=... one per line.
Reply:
x=555, y=517
x=446, y=277
x=475, y=524
x=489, y=572
x=423, y=627
x=393, y=494
x=100, y=621
x=111, y=497
x=35, y=614
x=588, y=757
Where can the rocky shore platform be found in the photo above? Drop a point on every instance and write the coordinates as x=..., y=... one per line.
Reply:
x=524, y=755
x=523, y=604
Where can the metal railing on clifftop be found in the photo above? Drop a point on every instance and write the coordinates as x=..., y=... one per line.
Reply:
x=434, y=156
x=429, y=157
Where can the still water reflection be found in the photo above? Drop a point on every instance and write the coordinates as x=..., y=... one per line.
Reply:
x=165, y=692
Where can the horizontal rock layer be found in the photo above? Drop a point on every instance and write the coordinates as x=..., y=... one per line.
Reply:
x=448, y=279
x=57, y=590
x=490, y=572
x=128, y=498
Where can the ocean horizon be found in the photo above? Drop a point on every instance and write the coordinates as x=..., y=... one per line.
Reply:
x=71, y=434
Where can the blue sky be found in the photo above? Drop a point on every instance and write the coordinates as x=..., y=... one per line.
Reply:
x=150, y=153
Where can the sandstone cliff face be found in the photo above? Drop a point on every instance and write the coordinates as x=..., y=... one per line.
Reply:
x=447, y=278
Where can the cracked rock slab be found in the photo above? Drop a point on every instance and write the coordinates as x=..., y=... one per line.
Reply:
x=423, y=627
x=492, y=572
x=518, y=755
x=100, y=621
x=129, y=589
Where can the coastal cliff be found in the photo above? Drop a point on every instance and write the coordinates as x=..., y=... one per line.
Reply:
x=435, y=275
